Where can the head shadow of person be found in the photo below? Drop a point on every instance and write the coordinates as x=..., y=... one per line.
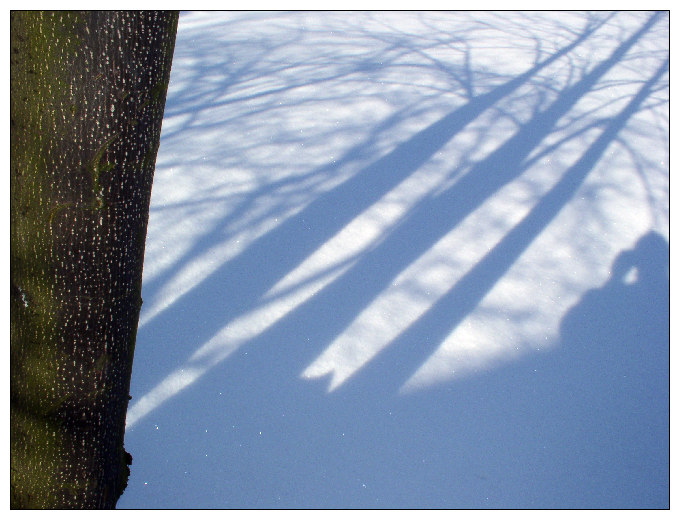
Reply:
x=629, y=315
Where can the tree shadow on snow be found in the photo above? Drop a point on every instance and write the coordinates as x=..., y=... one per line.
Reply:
x=239, y=284
x=251, y=433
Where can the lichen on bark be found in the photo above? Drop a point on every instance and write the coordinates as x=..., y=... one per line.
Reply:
x=85, y=118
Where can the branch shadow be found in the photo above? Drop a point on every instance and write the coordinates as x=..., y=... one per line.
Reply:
x=247, y=277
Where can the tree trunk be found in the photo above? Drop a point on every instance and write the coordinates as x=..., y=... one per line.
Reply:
x=87, y=98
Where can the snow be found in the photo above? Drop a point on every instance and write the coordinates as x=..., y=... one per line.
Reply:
x=407, y=259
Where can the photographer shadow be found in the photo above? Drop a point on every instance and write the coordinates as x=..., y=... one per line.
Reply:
x=615, y=378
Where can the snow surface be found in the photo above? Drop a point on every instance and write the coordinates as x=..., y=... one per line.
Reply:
x=407, y=260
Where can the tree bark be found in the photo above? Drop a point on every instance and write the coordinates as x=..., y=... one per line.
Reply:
x=87, y=99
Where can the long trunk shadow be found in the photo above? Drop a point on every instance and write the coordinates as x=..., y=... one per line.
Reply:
x=401, y=359
x=236, y=287
x=382, y=444
x=216, y=234
x=244, y=279
x=342, y=300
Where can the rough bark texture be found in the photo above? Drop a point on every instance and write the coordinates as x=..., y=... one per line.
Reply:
x=87, y=98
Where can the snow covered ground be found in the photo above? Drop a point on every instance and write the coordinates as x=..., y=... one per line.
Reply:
x=407, y=259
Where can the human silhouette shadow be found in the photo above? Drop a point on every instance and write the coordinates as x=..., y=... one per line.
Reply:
x=613, y=369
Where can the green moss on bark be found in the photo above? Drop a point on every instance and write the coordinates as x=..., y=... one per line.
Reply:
x=85, y=124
